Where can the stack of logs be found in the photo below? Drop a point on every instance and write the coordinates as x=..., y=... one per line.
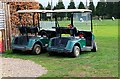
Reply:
x=26, y=19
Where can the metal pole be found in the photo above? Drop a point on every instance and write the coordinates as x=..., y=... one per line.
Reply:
x=51, y=9
x=51, y=4
x=33, y=19
x=86, y=5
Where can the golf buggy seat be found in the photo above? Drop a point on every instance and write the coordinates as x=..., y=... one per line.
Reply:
x=87, y=35
x=47, y=33
x=25, y=30
x=66, y=30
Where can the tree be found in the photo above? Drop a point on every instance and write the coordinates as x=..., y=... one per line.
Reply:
x=60, y=5
x=115, y=10
x=71, y=6
x=81, y=6
x=48, y=6
x=118, y=10
x=92, y=7
x=100, y=8
x=54, y=8
x=109, y=9
x=41, y=6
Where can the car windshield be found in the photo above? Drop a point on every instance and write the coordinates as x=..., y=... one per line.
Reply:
x=46, y=22
x=82, y=21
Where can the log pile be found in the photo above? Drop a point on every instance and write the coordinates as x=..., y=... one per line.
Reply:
x=26, y=19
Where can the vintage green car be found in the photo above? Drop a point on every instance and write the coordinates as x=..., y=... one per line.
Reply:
x=34, y=38
x=80, y=32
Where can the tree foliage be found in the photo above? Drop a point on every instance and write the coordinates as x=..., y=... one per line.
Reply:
x=41, y=6
x=101, y=9
x=81, y=6
x=48, y=6
x=109, y=9
x=71, y=6
x=115, y=10
x=104, y=8
x=92, y=7
x=60, y=5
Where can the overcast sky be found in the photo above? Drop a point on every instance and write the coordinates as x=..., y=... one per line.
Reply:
x=66, y=2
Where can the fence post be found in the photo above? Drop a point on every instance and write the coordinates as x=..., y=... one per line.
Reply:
x=6, y=31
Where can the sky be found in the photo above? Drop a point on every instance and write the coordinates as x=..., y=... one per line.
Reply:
x=66, y=2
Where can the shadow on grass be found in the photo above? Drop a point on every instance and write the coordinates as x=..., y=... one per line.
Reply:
x=21, y=52
x=68, y=55
x=43, y=54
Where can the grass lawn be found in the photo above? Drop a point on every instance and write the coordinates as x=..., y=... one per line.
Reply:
x=103, y=63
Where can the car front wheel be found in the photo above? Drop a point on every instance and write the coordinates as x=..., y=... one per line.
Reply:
x=37, y=49
x=94, y=47
x=14, y=51
x=76, y=51
x=51, y=53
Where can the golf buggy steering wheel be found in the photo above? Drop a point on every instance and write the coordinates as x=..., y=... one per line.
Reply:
x=43, y=33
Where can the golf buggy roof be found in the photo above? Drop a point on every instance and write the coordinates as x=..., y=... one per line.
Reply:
x=35, y=11
x=55, y=11
x=72, y=10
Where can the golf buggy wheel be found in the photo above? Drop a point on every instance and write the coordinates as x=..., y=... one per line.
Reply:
x=37, y=49
x=51, y=53
x=76, y=51
x=14, y=51
x=94, y=47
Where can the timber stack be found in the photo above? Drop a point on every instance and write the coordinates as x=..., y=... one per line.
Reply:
x=26, y=19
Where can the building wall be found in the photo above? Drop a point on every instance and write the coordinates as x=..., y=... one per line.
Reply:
x=2, y=28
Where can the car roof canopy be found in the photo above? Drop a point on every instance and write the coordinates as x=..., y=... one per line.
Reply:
x=54, y=11
x=72, y=10
x=35, y=11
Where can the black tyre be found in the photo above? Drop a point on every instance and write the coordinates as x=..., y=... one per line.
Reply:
x=14, y=51
x=51, y=53
x=94, y=47
x=37, y=49
x=76, y=51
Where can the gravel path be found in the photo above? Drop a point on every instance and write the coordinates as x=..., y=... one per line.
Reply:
x=20, y=68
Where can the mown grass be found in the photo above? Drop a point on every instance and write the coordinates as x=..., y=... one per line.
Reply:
x=103, y=63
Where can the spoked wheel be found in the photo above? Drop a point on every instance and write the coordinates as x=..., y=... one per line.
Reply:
x=76, y=51
x=37, y=49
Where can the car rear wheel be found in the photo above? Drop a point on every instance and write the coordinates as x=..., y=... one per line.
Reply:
x=94, y=47
x=14, y=51
x=37, y=49
x=51, y=53
x=76, y=51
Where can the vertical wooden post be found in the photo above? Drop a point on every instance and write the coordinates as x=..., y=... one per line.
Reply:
x=5, y=32
x=7, y=27
x=3, y=39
